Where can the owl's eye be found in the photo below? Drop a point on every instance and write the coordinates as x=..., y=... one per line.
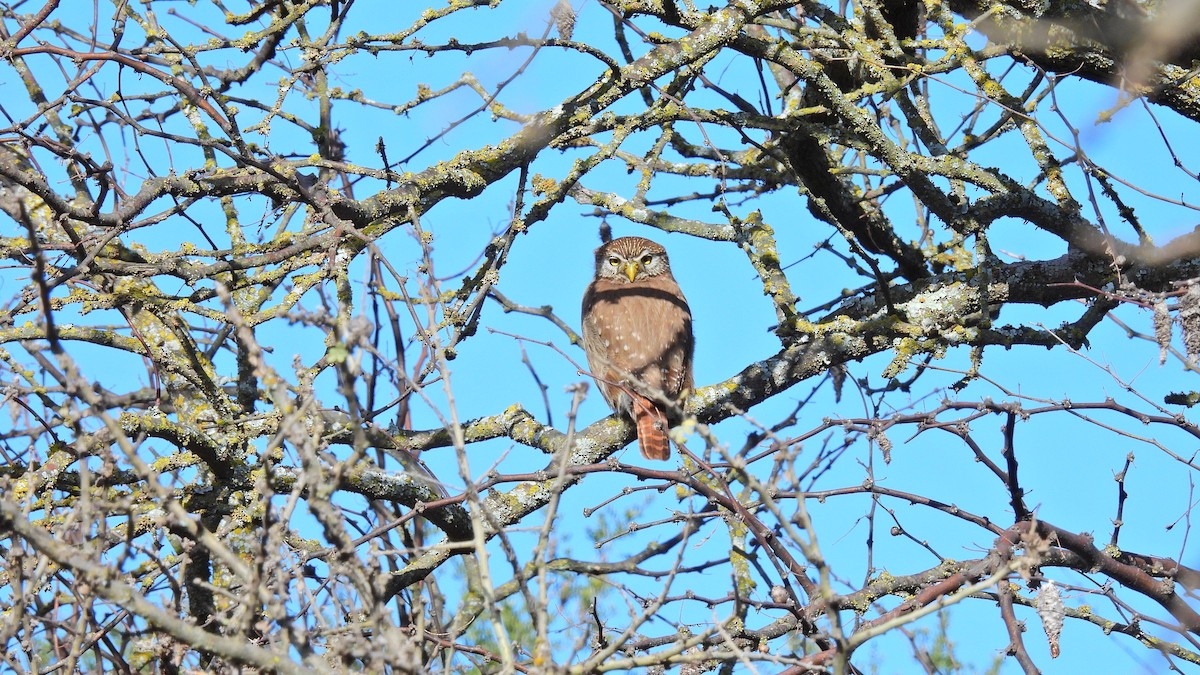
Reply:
x=646, y=259
x=614, y=261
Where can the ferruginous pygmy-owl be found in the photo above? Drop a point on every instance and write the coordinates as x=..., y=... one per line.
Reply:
x=637, y=332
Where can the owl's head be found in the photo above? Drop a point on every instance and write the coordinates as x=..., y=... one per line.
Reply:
x=631, y=259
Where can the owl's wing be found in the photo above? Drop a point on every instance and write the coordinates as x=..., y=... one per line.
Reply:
x=597, y=321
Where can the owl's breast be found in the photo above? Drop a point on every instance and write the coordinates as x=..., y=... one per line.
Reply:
x=638, y=325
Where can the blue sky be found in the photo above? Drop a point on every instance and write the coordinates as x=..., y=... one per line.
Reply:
x=1067, y=462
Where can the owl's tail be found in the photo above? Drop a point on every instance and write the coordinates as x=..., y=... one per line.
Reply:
x=652, y=427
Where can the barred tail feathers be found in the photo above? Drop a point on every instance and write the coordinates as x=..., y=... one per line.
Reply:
x=652, y=427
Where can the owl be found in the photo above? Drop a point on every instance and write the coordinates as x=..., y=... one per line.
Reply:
x=637, y=333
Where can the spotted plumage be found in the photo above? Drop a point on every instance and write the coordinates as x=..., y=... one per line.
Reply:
x=637, y=332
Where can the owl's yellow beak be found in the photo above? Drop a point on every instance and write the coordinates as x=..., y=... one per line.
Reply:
x=630, y=268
